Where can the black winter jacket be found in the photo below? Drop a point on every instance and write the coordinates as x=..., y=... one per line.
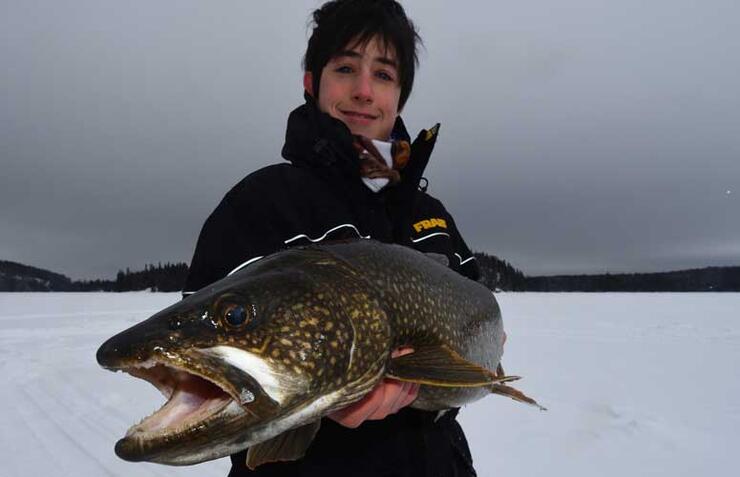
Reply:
x=316, y=197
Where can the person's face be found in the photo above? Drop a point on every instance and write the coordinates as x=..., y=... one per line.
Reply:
x=360, y=87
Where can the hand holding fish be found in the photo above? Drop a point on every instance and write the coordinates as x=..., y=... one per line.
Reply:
x=388, y=397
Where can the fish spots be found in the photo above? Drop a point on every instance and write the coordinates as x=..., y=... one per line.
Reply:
x=275, y=353
x=286, y=342
x=311, y=321
x=328, y=326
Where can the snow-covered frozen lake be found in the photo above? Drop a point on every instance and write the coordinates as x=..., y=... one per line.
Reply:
x=636, y=385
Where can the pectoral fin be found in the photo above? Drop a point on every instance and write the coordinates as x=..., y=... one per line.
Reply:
x=290, y=445
x=514, y=394
x=438, y=365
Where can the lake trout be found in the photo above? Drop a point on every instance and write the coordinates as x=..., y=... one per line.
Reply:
x=256, y=359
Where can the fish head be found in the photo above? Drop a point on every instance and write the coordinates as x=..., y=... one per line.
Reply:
x=239, y=362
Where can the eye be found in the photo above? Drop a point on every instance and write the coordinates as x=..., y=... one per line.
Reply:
x=235, y=315
x=384, y=76
x=344, y=69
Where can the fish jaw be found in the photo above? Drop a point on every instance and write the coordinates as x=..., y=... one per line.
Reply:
x=202, y=421
x=193, y=403
x=211, y=407
x=223, y=399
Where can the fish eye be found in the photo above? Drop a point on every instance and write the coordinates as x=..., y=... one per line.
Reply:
x=235, y=315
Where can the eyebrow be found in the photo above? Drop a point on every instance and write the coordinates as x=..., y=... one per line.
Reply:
x=353, y=54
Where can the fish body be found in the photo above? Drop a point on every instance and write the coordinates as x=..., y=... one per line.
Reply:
x=257, y=358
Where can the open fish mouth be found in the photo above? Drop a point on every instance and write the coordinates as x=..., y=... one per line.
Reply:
x=191, y=399
x=193, y=402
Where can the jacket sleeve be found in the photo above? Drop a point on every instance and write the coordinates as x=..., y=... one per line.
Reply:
x=231, y=237
x=468, y=265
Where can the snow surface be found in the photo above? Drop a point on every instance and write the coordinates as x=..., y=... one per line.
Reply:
x=635, y=384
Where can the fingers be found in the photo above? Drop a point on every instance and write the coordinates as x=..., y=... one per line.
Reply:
x=394, y=391
x=410, y=396
x=406, y=396
x=357, y=413
x=386, y=398
x=401, y=351
x=398, y=394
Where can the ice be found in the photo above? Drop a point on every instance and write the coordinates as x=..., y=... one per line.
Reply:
x=635, y=384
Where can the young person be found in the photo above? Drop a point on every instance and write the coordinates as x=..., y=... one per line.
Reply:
x=351, y=173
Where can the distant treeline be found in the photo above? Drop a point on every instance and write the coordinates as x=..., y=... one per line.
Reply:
x=18, y=277
x=499, y=274
x=166, y=278
x=496, y=274
x=169, y=277
x=718, y=279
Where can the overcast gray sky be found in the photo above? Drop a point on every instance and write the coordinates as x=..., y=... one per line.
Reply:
x=577, y=135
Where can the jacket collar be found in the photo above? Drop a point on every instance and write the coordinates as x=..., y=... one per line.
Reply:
x=315, y=139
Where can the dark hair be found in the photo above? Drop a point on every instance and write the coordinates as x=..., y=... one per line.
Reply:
x=339, y=22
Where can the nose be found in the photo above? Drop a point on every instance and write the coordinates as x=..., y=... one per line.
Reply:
x=363, y=89
x=116, y=350
x=135, y=343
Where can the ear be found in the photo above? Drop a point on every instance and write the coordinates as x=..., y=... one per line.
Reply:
x=308, y=83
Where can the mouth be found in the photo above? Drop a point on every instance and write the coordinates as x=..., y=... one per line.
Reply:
x=193, y=402
x=358, y=116
x=190, y=398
